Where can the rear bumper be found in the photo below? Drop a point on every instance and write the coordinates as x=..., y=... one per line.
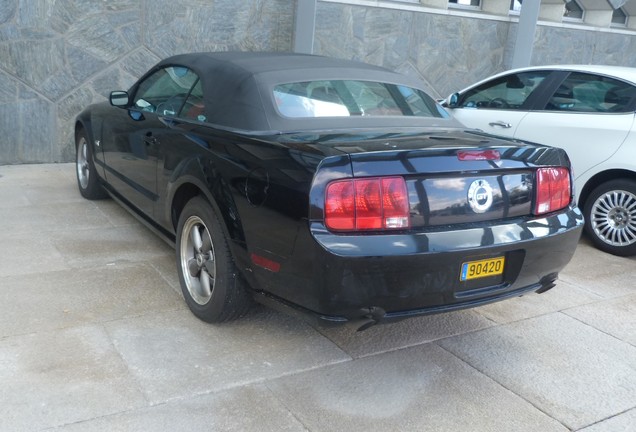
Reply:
x=340, y=278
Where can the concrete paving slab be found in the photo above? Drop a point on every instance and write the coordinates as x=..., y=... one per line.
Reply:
x=551, y=362
x=174, y=355
x=615, y=317
x=421, y=388
x=625, y=422
x=92, y=247
x=167, y=268
x=114, y=213
x=405, y=333
x=90, y=299
x=53, y=194
x=55, y=300
x=29, y=175
x=27, y=254
x=55, y=378
x=599, y=272
x=37, y=220
x=12, y=196
x=249, y=408
x=563, y=296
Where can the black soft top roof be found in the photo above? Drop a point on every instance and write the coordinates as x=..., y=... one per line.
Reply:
x=252, y=63
x=237, y=88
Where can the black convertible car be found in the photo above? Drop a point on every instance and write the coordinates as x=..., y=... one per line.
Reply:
x=328, y=187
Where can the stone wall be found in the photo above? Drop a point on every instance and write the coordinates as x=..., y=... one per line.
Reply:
x=58, y=56
x=450, y=52
x=443, y=50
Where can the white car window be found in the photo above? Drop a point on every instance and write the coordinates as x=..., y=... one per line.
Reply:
x=508, y=92
x=582, y=92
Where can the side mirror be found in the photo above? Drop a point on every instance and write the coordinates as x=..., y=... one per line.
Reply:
x=453, y=100
x=119, y=98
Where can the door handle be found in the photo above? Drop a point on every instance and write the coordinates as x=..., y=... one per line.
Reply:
x=150, y=140
x=500, y=124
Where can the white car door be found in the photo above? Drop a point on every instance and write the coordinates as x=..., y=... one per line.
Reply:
x=588, y=138
x=587, y=115
x=498, y=106
x=498, y=122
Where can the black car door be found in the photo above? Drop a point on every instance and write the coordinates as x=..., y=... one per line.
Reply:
x=132, y=138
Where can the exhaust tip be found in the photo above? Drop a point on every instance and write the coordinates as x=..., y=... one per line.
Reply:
x=547, y=282
x=372, y=316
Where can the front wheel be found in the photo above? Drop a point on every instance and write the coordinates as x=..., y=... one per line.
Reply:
x=211, y=286
x=87, y=180
x=610, y=217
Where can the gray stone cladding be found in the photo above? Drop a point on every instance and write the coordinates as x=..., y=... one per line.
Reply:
x=451, y=52
x=58, y=56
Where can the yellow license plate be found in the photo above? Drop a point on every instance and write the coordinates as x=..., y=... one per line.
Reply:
x=482, y=268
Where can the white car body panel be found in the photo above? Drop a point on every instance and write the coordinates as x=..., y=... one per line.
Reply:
x=589, y=139
x=602, y=136
x=482, y=119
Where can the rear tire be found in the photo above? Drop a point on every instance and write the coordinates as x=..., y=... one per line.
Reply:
x=211, y=285
x=87, y=180
x=610, y=217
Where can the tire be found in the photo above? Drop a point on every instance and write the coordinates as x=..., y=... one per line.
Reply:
x=610, y=217
x=211, y=285
x=87, y=180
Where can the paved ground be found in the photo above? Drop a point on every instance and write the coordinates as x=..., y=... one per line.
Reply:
x=94, y=335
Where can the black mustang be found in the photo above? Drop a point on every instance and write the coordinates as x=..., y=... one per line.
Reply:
x=328, y=187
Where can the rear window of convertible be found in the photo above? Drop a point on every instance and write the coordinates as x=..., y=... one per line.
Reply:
x=343, y=98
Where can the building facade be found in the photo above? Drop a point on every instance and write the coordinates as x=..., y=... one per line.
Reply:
x=58, y=56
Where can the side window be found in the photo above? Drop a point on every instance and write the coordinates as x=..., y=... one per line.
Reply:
x=507, y=92
x=165, y=91
x=194, y=108
x=582, y=92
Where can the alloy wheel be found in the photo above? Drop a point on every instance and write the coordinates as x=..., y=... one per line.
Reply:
x=83, y=169
x=613, y=218
x=197, y=259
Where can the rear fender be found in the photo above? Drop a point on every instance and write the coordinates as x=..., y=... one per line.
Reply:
x=331, y=168
x=199, y=175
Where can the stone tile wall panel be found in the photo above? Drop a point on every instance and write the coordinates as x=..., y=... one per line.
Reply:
x=37, y=120
x=7, y=10
x=8, y=89
x=560, y=45
x=9, y=138
x=57, y=56
x=442, y=49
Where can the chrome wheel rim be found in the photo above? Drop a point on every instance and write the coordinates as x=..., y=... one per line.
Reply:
x=83, y=170
x=613, y=218
x=198, y=263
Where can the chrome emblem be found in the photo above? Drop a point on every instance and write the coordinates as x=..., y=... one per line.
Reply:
x=480, y=196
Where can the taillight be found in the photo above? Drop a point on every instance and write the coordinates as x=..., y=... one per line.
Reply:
x=553, y=190
x=470, y=155
x=367, y=204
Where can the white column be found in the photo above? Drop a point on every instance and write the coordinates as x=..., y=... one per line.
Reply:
x=528, y=17
x=305, y=26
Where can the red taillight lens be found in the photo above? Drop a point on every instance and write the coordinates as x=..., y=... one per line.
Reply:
x=470, y=155
x=367, y=204
x=553, y=190
x=340, y=206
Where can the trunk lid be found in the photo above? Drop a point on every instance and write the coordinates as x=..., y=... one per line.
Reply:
x=452, y=176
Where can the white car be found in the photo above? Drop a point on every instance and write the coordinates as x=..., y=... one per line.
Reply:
x=587, y=110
